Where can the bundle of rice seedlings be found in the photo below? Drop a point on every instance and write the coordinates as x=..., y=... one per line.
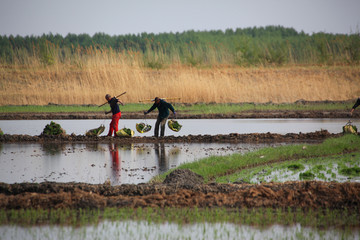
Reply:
x=95, y=131
x=349, y=128
x=174, y=125
x=125, y=132
x=53, y=129
x=142, y=127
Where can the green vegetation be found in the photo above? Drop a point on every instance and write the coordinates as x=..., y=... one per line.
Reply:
x=53, y=129
x=188, y=109
x=96, y=131
x=174, y=125
x=308, y=175
x=271, y=45
x=352, y=171
x=1, y=132
x=229, y=168
x=340, y=168
x=319, y=218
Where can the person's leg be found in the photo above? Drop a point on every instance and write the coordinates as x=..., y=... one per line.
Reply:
x=111, y=126
x=156, y=130
x=163, y=123
x=116, y=122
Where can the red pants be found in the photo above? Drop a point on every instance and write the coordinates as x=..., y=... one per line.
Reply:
x=114, y=124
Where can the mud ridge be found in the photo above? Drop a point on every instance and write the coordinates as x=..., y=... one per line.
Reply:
x=304, y=194
x=184, y=115
x=230, y=138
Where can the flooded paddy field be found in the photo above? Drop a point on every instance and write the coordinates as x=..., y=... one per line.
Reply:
x=97, y=163
x=79, y=172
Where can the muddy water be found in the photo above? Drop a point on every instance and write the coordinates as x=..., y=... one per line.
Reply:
x=190, y=126
x=99, y=162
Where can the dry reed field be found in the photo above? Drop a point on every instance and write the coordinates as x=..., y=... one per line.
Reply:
x=87, y=82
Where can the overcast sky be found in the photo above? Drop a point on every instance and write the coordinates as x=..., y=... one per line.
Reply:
x=36, y=17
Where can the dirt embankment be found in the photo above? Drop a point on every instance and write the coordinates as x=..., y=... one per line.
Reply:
x=229, y=138
x=180, y=115
x=181, y=189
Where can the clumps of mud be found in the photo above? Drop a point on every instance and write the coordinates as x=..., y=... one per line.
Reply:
x=230, y=138
x=183, y=177
x=299, y=194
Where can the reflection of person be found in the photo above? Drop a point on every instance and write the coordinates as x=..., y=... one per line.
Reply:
x=163, y=108
x=160, y=154
x=114, y=152
x=116, y=113
x=357, y=103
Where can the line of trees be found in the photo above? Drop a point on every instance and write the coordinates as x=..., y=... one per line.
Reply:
x=271, y=45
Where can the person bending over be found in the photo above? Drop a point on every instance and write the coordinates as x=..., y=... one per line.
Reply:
x=163, y=108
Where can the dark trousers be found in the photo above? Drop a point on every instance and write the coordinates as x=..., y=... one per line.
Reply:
x=159, y=121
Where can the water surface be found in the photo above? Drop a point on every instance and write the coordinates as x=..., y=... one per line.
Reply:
x=98, y=162
x=190, y=126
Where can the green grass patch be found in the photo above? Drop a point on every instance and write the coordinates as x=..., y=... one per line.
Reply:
x=226, y=168
x=319, y=218
x=201, y=108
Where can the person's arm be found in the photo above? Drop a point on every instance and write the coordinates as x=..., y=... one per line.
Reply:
x=152, y=108
x=172, y=109
x=355, y=105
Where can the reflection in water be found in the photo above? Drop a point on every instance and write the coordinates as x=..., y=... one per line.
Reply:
x=100, y=162
x=115, y=158
x=161, y=157
x=53, y=148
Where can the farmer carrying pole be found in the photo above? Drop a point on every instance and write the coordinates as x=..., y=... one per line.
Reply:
x=116, y=113
x=163, y=108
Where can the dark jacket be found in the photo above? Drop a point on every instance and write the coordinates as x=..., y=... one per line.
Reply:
x=356, y=104
x=114, y=106
x=163, y=108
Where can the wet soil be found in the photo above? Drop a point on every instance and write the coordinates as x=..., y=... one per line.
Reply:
x=180, y=115
x=220, y=138
x=182, y=189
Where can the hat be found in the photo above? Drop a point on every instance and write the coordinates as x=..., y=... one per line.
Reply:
x=154, y=100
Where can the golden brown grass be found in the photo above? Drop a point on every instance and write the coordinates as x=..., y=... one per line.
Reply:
x=88, y=80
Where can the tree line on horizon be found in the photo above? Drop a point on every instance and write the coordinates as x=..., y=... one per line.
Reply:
x=256, y=46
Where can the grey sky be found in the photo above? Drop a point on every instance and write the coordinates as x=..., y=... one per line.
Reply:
x=35, y=17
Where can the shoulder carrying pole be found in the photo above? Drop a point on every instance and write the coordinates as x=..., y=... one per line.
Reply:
x=116, y=97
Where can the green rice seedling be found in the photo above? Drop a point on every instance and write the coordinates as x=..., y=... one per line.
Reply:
x=351, y=171
x=53, y=129
x=295, y=167
x=308, y=175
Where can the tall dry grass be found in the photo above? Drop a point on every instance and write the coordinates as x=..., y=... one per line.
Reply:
x=87, y=78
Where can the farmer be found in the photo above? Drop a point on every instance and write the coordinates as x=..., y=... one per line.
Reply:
x=163, y=108
x=116, y=114
x=355, y=106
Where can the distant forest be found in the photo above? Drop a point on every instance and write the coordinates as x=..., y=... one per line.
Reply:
x=257, y=46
